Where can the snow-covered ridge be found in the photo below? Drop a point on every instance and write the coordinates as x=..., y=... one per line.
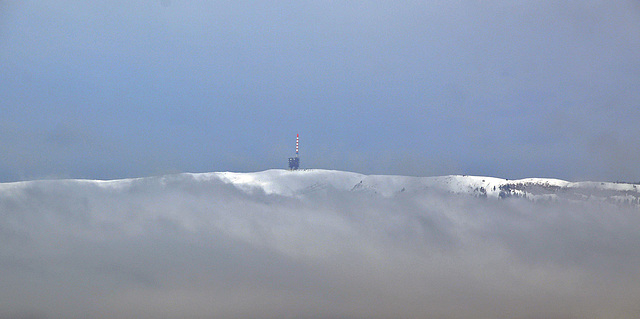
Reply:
x=291, y=183
x=305, y=182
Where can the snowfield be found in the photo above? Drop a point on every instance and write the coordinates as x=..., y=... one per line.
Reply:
x=319, y=244
x=301, y=182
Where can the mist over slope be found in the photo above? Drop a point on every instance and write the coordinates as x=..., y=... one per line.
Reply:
x=318, y=244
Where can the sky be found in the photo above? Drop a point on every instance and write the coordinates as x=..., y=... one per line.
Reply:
x=182, y=246
x=512, y=89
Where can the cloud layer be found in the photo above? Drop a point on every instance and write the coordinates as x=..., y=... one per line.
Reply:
x=176, y=246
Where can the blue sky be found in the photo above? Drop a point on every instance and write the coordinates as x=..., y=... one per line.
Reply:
x=111, y=89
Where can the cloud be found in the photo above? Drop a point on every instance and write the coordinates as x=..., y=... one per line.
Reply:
x=177, y=246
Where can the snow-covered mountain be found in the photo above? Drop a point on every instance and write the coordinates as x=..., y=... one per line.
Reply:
x=305, y=182
x=318, y=244
x=301, y=182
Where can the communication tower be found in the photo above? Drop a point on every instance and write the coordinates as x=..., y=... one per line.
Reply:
x=294, y=162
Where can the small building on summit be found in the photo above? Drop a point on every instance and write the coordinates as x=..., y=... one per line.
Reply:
x=294, y=162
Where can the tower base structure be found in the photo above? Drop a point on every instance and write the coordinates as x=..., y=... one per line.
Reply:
x=294, y=163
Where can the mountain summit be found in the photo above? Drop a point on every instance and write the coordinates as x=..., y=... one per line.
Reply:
x=302, y=182
x=318, y=244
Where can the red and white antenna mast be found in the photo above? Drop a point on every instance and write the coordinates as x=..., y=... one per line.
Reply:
x=294, y=162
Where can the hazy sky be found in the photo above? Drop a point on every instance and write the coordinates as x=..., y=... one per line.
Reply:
x=109, y=89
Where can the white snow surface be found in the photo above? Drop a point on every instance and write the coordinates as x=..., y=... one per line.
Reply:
x=318, y=244
x=302, y=182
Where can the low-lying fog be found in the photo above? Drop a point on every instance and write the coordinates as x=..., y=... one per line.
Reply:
x=179, y=247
